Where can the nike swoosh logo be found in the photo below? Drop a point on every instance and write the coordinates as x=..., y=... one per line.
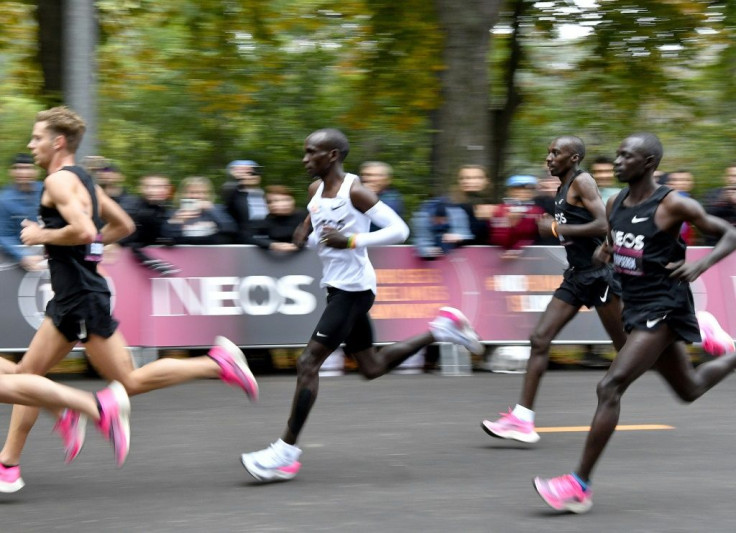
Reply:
x=652, y=323
x=605, y=294
x=82, y=330
x=636, y=219
x=321, y=334
x=338, y=206
x=560, y=201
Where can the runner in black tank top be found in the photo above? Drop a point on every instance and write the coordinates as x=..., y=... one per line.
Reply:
x=580, y=225
x=643, y=256
x=74, y=268
x=579, y=251
x=79, y=218
x=646, y=249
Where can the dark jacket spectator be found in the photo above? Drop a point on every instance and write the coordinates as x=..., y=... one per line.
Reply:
x=275, y=232
x=242, y=197
x=150, y=211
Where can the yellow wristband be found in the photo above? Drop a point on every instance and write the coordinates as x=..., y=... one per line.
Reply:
x=553, y=227
x=351, y=241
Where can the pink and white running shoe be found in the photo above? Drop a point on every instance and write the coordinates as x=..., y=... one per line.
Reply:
x=509, y=426
x=72, y=427
x=114, y=423
x=269, y=465
x=715, y=340
x=564, y=493
x=10, y=480
x=234, y=368
x=451, y=325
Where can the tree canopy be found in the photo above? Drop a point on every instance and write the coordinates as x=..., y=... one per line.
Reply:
x=185, y=87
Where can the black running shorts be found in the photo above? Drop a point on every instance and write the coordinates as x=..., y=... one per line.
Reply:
x=88, y=314
x=677, y=311
x=346, y=320
x=591, y=288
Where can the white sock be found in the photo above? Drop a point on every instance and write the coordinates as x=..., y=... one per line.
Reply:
x=288, y=451
x=523, y=414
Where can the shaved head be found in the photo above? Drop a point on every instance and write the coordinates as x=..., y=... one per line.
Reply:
x=649, y=145
x=576, y=143
x=331, y=139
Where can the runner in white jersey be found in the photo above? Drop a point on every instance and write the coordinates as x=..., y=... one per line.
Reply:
x=347, y=269
x=341, y=210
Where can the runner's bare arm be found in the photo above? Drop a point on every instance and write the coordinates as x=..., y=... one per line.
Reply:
x=302, y=231
x=585, y=188
x=61, y=192
x=679, y=209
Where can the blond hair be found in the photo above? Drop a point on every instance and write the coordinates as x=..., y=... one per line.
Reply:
x=63, y=121
x=194, y=181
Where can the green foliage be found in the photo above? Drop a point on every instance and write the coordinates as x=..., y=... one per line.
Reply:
x=185, y=87
x=656, y=66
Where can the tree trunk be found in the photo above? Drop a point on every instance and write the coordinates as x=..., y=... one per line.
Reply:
x=463, y=122
x=503, y=117
x=50, y=54
x=80, y=67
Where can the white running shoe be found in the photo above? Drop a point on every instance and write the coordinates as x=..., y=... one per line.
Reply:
x=451, y=325
x=269, y=465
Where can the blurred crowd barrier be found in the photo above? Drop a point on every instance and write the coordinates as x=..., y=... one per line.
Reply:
x=263, y=300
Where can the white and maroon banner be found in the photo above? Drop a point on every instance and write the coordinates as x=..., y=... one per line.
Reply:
x=258, y=298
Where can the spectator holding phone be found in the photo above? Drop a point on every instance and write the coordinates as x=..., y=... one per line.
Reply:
x=198, y=220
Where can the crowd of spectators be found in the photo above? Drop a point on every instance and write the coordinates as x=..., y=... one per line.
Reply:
x=248, y=213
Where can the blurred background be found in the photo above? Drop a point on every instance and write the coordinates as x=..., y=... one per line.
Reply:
x=185, y=87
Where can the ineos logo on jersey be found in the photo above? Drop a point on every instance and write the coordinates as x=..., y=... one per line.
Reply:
x=628, y=240
x=34, y=293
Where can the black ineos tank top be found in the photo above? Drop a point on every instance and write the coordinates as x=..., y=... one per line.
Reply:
x=641, y=251
x=74, y=268
x=580, y=250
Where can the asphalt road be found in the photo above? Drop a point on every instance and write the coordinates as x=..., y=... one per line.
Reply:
x=403, y=453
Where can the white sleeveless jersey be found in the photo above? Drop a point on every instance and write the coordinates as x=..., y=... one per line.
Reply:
x=347, y=269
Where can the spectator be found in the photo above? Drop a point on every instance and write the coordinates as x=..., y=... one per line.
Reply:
x=377, y=176
x=438, y=227
x=149, y=211
x=93, y=163
x=682, y=181
x=111, y=180
x=19, y=201
x=472, y=194
x=602, y=171
x=720, y=194
x=242, y=197
x=514, y=222
x=198, y=220
x=275, y=232
x=721, y=202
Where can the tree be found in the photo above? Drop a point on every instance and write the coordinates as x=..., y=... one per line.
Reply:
x=463, y=119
